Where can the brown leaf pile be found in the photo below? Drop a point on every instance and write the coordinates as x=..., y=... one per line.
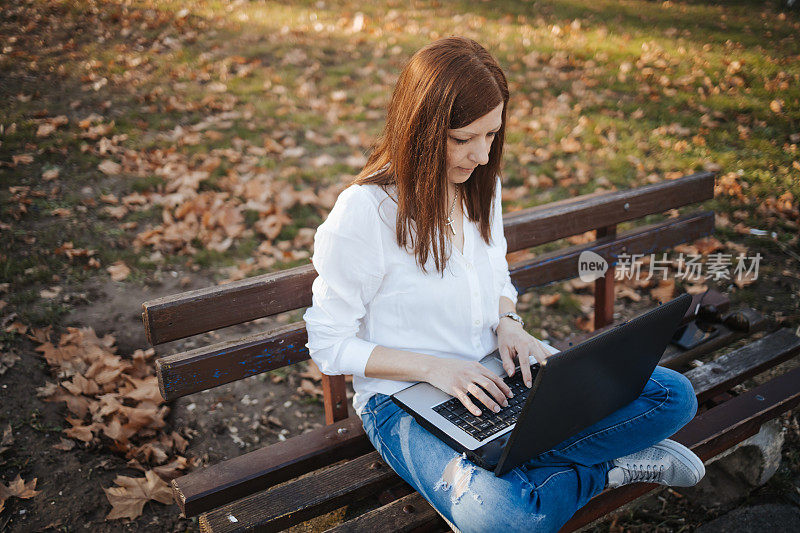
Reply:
x=114, y=402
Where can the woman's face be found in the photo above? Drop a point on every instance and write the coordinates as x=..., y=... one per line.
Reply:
x=469, y=146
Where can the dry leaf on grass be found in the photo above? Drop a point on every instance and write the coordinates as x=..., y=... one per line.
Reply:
x=119, y=271
x=307, y=387
x=585, y=323
x=696, y=288
x=549, y=299
x=312, y=372
x=128, y=498
x=50, y=174
x=109, y=167
x=627, y=292
x=665, y=290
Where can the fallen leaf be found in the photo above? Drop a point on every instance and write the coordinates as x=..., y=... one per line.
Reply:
x=127, y=499
x=585, y=323
x=45, y=129
x=17, y=488
x=22, y=159
x=109, y=167
x=79, y=431
x=664, y=291
x=17, y=327
x=708, y=245
x=64, y=445
x=51, y=174
x=61, y=212
x=312, y=372
x=627, y=292
x=7, y=440
x=172, y=469
x=307, y=387
x=549, y=299
x=7, y=360
x=119, y=271
x=696, y=288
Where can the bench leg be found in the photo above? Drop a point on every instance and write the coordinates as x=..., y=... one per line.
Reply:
x=604, y=288
x=732, y=474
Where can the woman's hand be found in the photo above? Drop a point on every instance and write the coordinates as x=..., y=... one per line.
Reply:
x=514, y=341
x=457, y=378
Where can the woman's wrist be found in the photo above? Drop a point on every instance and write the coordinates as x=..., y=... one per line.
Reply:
x=507, y=323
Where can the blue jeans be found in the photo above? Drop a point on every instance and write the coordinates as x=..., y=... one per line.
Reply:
x=543, y=493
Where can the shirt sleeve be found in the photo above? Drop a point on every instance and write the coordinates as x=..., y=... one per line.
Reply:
x=498, y=249
x=348, y=258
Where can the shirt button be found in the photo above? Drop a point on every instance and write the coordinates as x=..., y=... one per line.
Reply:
x=469, y=266
x=477, y=322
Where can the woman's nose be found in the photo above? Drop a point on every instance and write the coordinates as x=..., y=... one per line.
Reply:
x=480, y=155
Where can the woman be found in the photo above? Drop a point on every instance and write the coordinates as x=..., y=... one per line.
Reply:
x=414, y=286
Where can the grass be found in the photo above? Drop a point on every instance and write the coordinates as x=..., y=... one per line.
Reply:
x=282, y=64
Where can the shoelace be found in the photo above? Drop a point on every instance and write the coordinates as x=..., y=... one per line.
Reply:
x=644, y=474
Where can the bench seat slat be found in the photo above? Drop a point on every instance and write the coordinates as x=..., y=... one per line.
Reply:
x=320, y=492
x=235, y=478
x=399, y=516
x=211, y=366
x=774, y=348
x=198, y=311
x=730, y=369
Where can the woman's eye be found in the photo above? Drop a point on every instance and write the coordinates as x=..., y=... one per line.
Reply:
x=460, y=141
x=492, y=133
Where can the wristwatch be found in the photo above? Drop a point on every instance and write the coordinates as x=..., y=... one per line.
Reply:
x=512, y=316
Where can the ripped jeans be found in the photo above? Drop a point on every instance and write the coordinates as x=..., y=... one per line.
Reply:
x=543, y=493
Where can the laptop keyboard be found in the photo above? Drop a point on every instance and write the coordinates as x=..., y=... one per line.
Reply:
x=489, y=423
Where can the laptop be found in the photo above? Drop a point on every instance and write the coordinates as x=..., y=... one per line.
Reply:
x=572, y=390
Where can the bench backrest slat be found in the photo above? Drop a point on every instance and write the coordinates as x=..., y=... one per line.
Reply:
x=573, y=216
x=199, y=311
x=214, y=365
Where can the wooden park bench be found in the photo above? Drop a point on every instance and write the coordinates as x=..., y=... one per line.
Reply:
x=327, y=468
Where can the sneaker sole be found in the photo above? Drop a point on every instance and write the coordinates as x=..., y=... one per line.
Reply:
x=687, y=455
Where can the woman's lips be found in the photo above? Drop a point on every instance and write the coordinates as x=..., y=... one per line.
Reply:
x=462, y=169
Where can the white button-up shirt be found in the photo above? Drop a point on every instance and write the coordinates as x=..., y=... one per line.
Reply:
x=371, y=292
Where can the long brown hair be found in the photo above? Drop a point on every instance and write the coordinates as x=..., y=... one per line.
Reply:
x=449, y=83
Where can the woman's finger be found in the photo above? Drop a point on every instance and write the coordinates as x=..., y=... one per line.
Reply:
x=539, y=351
x=471, y=407
x=484, y=398
x=508, y=362
x=497, y=392
x=525, y=364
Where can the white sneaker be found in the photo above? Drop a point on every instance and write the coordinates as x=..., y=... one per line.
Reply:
x=667, y=462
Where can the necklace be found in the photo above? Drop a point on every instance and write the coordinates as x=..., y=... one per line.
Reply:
x=452, y=207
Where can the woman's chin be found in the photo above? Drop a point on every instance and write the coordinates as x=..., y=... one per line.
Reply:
x=459, y=176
